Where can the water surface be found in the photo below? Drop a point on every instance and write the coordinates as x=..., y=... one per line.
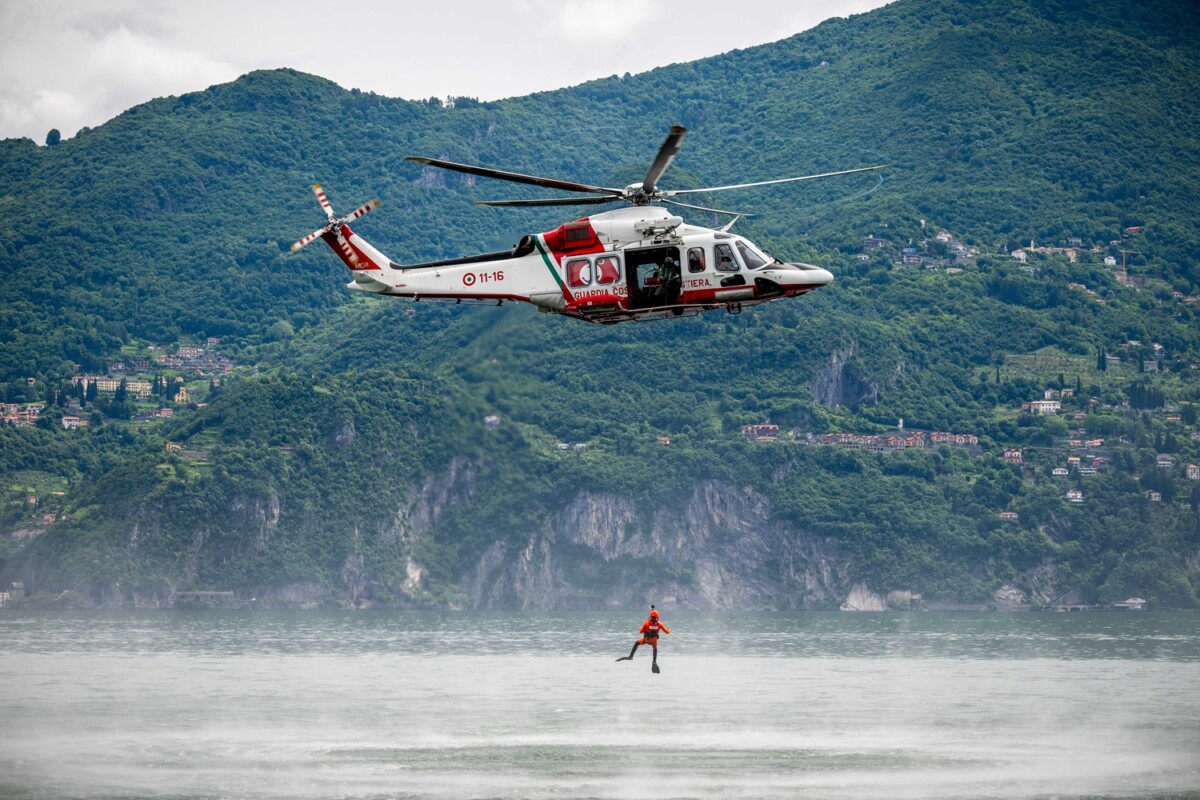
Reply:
x=429, y=705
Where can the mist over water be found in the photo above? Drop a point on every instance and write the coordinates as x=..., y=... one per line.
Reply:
x=429, y=705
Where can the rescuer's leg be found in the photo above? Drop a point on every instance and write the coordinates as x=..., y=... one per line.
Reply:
x=654, y=661
x=631, y=652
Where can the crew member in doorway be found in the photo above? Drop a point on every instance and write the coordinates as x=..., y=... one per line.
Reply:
x=650, y=631
x=671, y=280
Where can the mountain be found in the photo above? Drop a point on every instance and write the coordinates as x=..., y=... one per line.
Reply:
x=347, y=461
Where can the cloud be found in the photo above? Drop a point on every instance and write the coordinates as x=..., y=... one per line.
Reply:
x=124, y=63
x=69, y=71
x=604, y=24
x=69, y=63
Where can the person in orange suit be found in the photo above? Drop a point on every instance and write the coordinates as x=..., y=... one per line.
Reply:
x=650, y=631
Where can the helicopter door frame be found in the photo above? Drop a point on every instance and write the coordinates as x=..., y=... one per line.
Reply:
x=648, y=284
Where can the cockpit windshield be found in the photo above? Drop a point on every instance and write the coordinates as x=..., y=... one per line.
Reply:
x=752, y=256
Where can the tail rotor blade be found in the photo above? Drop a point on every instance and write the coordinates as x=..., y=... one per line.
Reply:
x=363, y=209
x=351, y=256
x=324, y=201
x=307, y=239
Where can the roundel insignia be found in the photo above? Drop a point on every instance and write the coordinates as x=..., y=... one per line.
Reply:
x=469, y=279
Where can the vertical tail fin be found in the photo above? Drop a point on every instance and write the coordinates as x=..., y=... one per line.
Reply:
x=354, y=251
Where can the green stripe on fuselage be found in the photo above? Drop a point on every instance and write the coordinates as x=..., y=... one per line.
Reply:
x=537, y=240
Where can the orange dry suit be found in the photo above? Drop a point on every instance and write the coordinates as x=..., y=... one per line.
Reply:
x=650, y=630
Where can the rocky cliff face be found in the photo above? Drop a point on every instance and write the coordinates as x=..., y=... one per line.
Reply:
x=720, y=550
x=840, y=383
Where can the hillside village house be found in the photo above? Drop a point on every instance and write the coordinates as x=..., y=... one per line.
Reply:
x=109, y=384
x=1193, y=472
x=21, y=416
x=1013, y=457
x=876, y=443
x=1074, y=496
x=1164, y=461
x=942, y=437
x=1044, y=408
x=1153, y=496
x=764, y=431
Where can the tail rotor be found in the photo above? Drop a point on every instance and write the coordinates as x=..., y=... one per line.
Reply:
x=335, y=225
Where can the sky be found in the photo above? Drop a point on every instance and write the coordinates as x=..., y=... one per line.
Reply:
x=67, y=64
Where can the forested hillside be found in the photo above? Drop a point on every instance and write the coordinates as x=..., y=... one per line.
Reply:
x=1033, y=240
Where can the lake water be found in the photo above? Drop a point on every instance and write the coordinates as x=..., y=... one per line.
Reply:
x=430, y=705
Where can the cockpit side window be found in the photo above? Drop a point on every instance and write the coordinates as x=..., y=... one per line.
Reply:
x=726, y=261
x=696, y=259
x=753, y=260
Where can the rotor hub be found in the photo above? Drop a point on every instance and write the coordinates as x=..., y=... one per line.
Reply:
x=636, y=193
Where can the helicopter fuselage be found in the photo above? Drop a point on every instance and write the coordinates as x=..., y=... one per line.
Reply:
x=630, y=263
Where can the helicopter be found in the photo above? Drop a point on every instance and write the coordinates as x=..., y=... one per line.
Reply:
x=639, y=262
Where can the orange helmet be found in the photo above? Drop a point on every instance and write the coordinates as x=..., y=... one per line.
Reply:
x=653, y=614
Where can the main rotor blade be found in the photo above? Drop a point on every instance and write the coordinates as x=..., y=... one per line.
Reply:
x=713, y=210
x=323, y=200
x=666, y=154
x=551, y=201
x=516, y=177
x=674, y=192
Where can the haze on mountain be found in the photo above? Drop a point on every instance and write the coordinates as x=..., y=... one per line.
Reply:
x=349, y=462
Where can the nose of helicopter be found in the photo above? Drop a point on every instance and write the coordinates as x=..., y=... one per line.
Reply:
x=820, y=277
x=809, y=275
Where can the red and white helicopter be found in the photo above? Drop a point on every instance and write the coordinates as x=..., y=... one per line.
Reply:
x=640, y=262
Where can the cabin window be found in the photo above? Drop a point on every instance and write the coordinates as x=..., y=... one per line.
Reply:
x=753, y=260
x=579, y=273
x=726, y=260
x=608, y=269
x=696, y=260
